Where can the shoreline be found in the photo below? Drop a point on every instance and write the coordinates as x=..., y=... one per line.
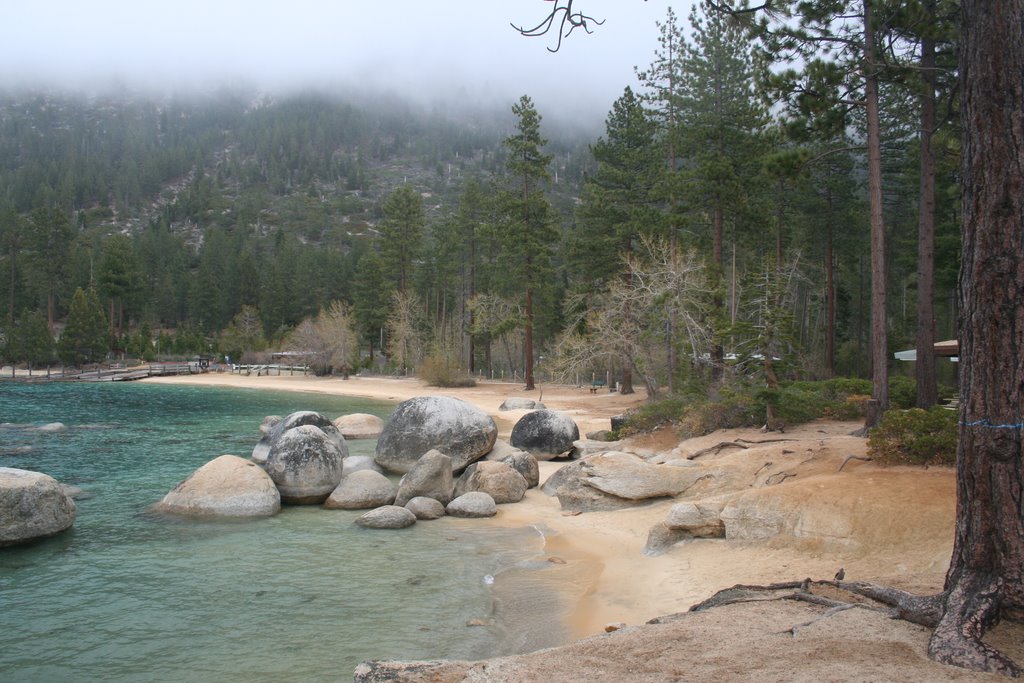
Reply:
x=607, y=579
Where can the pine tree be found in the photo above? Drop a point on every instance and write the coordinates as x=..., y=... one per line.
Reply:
x=85, y=338
x=529, y=235
x=617, y=206
x=401, y=235
x=30, y=340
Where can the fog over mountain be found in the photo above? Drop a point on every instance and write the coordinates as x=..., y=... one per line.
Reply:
x=428, y=50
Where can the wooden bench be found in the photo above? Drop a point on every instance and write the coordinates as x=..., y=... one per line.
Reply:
x=597, y=384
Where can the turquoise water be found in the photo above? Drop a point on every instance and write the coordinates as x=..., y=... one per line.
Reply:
x=305, y=595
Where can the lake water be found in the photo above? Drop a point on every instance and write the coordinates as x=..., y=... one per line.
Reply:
x=302, y=596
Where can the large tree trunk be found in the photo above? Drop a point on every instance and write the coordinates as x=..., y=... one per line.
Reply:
x=985, y=581
x=927, y=392
x=718, y=351
x=830, y=296
x=528, y=341
x=879, y=334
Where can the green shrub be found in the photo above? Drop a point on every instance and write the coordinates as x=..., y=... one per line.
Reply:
x=653, y=414
x=437, y=371
x=915, y=437
x=902, y=391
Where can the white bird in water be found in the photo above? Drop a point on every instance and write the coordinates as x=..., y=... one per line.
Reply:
x=488, y=579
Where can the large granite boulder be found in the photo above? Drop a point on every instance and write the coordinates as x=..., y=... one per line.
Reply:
x=387, y=517
x=306, y=465
x=612, y=481
x=474, y=504
x=498, y=479
x=273, y=430
x=227, y=486
x=32, y=505
x=545, y=434
x=425, y=508
x=359, y=426
x=430, y=477
x=360, y=491
x=462, y=431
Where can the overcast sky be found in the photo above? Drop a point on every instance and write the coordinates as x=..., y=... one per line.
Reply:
x=437, y=49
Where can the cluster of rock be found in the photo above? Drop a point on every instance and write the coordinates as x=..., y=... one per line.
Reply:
x=32, y=506
x=446, y=451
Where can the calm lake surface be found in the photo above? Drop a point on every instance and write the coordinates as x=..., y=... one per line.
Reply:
x=302, y=596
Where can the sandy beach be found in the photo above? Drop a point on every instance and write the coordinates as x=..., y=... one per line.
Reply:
x=884, y=525
x=607, y=577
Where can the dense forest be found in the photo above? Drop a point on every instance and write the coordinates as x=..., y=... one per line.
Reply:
x=746, y=200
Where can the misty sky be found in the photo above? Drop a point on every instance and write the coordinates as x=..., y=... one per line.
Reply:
x=433, y=49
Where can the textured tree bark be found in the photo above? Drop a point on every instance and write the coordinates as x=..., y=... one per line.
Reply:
x=528, y=341
x=927, y=393
x=879, y=317
x=984, y=581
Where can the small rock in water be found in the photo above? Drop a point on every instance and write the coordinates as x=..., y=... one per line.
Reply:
x=480, y=622
x=556, y=560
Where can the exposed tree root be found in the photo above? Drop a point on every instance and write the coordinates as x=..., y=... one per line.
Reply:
x=959, y=617
x=971, y=608
x=852, y=457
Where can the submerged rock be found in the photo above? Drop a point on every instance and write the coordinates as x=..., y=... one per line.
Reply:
x=360, y=491
x=386, y=517
x=460, y=430
x=32, y=506
x=472, y=504
x=425, y=508
x=227, y=486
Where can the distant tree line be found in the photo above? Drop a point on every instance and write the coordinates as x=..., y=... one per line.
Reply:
x=719, y=227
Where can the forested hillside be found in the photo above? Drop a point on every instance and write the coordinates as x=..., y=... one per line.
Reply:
x=720, y=223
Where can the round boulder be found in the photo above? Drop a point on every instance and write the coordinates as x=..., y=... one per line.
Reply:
x=227, y=486
x=360, y=491
x=261, y=451
x=430, y=477
x=32, y=506
x=305, y=464
x=359, y=426
x=472, y=504
x=460, y=430
x=425, y=508
x=545, y=434
x=526, y=465
x=386, y=517
x=497, y=479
